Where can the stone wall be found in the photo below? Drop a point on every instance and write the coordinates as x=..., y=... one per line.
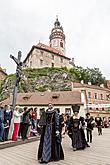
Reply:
x=40, y=58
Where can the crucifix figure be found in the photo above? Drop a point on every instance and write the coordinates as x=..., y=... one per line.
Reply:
x=18, y=76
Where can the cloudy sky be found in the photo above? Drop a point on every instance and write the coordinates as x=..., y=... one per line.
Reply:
x=86, y=25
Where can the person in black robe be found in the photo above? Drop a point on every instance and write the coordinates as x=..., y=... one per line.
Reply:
x=90, y=125
x=76, y=130
x=50, y=148
x=99, y=124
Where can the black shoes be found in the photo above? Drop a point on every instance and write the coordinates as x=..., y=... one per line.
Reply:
x=74, y=149
x=41, y=161
x=88, y=145
x=1, y=140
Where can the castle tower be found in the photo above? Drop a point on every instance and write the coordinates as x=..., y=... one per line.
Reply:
x=57, y=37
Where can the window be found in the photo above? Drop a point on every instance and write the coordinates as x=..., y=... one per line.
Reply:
x=102, y=109
x=52, y=57
x=107, y=97
x=61, y=60
x=52, y=64
x=89, y=95
x=41, y=62
x=101, y=96
x=30, y=64
x=55, y=96
x=55, y=43
x=61, y=44
x=95, y=95
x=26, y=98
x=109, y=109
x=41, y=52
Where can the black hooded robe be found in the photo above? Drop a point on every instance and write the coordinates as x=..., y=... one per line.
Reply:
x=50, y=148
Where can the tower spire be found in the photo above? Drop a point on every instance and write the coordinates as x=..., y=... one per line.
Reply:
x=57, y=36
x=57, y=23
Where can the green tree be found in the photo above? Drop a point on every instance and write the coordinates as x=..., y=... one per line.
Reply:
x=95, y=76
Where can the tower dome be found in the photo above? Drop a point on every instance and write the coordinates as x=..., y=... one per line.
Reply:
x=57, y=23
x=57, y=37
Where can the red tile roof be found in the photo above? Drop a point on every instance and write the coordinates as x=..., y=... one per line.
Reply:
x=44, y=98
x=79, y=85
x=46, y=48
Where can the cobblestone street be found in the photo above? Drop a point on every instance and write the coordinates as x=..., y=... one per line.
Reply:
x=97, y=154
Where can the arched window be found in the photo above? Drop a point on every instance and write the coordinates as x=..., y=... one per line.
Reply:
x=30, y=64
x=52, y=64
x=61, y=44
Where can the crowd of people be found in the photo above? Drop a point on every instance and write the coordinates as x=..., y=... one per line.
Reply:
x=55, y=125
x=52, y=126
x=20, y=123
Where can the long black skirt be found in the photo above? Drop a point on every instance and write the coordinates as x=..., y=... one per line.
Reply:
x=78, y=139
x=50, y=148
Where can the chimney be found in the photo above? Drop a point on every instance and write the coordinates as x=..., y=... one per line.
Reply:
x=102, y=85
x=72, y=62
x=89, y=83
x=82, y=81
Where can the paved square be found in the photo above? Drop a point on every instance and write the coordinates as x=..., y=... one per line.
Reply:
x=97, y=154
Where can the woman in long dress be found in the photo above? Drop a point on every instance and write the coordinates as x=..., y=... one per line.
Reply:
x=50, y=148
x=75, y=130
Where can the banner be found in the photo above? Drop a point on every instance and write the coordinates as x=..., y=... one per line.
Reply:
x=98, y=105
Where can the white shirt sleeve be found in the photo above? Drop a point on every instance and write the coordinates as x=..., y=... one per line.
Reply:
x=17, y=114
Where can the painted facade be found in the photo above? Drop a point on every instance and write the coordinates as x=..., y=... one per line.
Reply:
x=97, y=99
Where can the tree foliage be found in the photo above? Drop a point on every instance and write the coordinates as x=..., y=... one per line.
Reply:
x=54, y=79
x=92, y=75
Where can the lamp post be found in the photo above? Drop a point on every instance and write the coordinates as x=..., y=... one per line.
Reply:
x=18, y=77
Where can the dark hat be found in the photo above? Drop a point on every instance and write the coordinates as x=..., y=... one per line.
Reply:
x=25, y=108
x=87, y=114
x=75, y=108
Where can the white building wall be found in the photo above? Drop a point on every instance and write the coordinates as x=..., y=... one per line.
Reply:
x=34, y=60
